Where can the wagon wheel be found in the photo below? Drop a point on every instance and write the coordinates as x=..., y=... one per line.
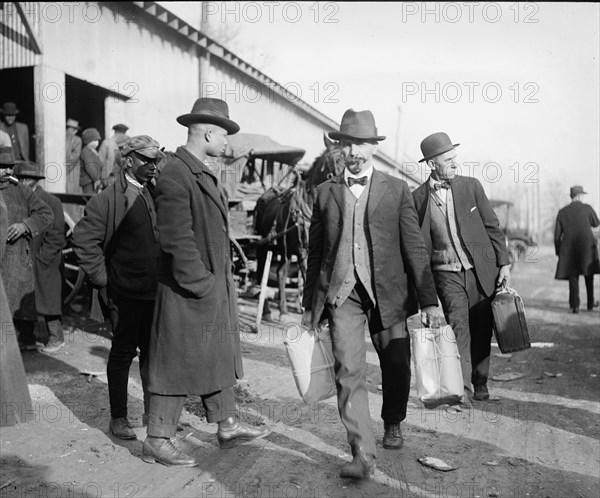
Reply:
x=73, y=275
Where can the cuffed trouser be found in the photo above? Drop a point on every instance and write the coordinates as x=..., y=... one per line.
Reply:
x=574, y=301
x=165, y=410
x=131, y=320
x=468, y=311
x=347, y=328
x=55, y=329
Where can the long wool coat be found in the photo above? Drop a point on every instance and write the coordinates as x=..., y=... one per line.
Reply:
x=195, y=338
x=17, y=263
x=574, y=242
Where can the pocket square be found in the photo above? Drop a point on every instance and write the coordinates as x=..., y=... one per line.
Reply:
x=473, y=209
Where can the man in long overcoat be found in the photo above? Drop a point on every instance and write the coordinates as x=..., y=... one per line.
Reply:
x=46, y=250
x=28, y=217
x=195, y=338
x=577, y=248
x=18, y=132
x=366, y=256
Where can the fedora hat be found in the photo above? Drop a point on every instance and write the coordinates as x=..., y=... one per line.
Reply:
x=28, y=169
x=576, y=190
x=436, y=144
x=210, y=111
x=9, y=109
x=7, y=157
x=357, y=125
x=72, y=123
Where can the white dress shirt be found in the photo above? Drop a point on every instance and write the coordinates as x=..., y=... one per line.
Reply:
x=357, y=189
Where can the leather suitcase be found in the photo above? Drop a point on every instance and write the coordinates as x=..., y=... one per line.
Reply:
x=510, y=325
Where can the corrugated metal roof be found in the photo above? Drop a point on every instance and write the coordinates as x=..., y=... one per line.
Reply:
x=18, y=34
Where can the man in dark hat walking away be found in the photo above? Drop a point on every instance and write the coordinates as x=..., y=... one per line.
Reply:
x=577, y=248
x=195, y=340
x=110, y=155
x=116, y=243
x=46, y=250
x=469, y=257
x=366, y=256
x=18, y=132
x=28, y=217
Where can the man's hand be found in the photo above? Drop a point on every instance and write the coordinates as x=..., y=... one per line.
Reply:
x=306, y=319
x=503, y=274
x=15, y=231
x=432, y=316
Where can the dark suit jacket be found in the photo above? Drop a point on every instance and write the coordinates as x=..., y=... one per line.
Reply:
x=22, y=137
x=399, y=258
x=478, y=228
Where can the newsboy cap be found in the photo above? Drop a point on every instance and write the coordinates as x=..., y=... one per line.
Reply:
x=120, y=127
x=28, y=169
x=144, y=145
x=576, y=190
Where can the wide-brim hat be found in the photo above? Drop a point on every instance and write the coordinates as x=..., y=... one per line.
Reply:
x=144, y=145
x=9, y=108
x=436, y=144
x=358, y=126
x=7, y=157
x=576, y=190
x=72, y=123
x=28, y=169
x=210, y=111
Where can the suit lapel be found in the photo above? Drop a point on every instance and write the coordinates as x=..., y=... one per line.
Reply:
x=337, y=191
x=377, y=190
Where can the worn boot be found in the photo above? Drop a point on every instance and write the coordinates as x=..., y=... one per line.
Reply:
x=481, y=393
x=392, y=436
x=163, y=450
x=362, y=466
x=121, y=428
x=232, y=431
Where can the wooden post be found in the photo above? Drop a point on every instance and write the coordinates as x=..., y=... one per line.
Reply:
x=263, y=289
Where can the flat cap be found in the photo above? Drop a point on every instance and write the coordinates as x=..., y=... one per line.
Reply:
x=144, y=145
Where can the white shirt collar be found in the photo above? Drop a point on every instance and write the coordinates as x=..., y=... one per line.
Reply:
x=133, y=181
x=368, y=173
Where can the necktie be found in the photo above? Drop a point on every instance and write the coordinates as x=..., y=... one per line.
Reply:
x=360, y=181
x=439, y=185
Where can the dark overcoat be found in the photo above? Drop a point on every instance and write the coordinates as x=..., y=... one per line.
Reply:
x=399, y=258
x=478, y=228
x=17, y=264
x=47, y=251
x=195, y=338
x=574, y=242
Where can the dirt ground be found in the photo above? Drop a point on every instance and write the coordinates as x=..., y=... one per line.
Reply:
x=539, y=439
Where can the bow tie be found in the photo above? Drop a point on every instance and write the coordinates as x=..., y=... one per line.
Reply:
x=360, y=181
x=439, y=185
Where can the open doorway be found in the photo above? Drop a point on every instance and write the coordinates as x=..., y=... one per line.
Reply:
x=85, y=103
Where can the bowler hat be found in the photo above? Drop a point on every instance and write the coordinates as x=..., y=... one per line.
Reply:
x=436, y=144
x=576, y=190
x=7, y=157
x=144, y=145
x=120, y=127
x=72, y=123
x=89, y=135
x=357, y=125
x=9, y=109
x=210, y=111
x=28, y=169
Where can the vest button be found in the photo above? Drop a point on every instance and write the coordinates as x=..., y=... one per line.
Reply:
x=356, y=265
x=338, y=296
x=346, y=281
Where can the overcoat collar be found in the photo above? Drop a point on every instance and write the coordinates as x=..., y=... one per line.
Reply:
x=377, y=190
x=205, y=178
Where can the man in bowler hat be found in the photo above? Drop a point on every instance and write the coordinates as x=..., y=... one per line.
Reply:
x=366, y=258
x=469, y=257
x=577, y=248
x=195, y=339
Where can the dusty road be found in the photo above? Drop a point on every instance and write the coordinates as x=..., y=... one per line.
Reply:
x=541, y=438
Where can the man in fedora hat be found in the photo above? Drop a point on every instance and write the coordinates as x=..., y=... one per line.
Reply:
x=72, y=148
x=18, y=132
x=469, y=257
x=110, y=155
x=366, y=254
x=28, y=217
x=195, y=339
x=46, y=251
x=577, y=248
x=116, y=243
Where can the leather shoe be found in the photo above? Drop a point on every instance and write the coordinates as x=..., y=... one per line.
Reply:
x=361, y=467
x=121, y=428
x=574, y=310
x=595, y=304
x=232, y=431
x=481, y=393
x=163, y=450
x=392, y=437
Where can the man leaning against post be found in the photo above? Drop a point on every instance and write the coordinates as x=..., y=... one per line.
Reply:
x=469, y=257
x=116, y=243
x=366, y=256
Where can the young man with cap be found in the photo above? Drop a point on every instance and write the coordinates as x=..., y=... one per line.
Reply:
x=366, y=259
x=18, y=132
x=46, y=250
x=28, y=217
x=577, y=248
x=469, y=257
x=91, y=167
x=72, y=153
x=116, y=243
x=109, y=153
x=195, y=340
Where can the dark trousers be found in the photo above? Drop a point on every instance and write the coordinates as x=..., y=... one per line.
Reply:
x=468, y=311
x=574, y=291
x=165, y=410
x=25, y=331
x=347, y=328
x=131, y=320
